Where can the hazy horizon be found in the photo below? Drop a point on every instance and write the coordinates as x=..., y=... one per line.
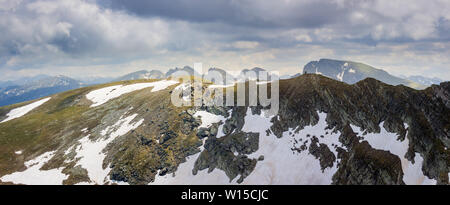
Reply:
x=164, y=70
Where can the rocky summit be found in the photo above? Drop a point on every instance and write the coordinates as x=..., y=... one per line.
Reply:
x=326, y=132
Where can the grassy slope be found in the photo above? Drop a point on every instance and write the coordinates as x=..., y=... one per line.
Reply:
x=38, y=131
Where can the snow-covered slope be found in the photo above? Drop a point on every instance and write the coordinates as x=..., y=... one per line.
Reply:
x=388, y=141
x=21, y=111
x=284, y=160
x=103, y=95
x=34, y=175
x=89, y=155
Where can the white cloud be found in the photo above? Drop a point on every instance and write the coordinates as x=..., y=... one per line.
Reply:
x=303, y=38
x=83, y=37
x=54, y=29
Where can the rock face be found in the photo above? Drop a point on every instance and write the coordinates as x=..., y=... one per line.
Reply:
x=363, y=164
x=442, y=92
x=352, y=72
x=326, y=131
x=368, y=103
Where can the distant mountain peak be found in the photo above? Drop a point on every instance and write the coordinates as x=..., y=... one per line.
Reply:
x=173, y=72
x=351, y=72
x=215, y=74
x=142, y=74
x=37, y=87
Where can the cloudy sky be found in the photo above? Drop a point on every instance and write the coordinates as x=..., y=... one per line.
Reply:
x=81, y=38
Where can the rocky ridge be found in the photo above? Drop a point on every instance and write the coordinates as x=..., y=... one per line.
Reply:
x=168, y=135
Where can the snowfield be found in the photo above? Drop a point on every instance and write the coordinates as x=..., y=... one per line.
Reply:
x=103, y=95
x=33, y=175
x=21, y=111
x=387, y=141
x=89, y=155
x=281, y=165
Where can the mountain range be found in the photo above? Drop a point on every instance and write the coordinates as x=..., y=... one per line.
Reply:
x=326, y=132
x=346, y=71
x=37, y=87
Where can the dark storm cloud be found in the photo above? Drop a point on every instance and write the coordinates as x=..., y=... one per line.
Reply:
x=307, y=14
x=443, y=27
x=367, y=22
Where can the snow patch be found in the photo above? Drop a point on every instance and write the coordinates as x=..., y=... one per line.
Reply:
x=317, y=72
x=387, y=141
x=90, y=153
x=18, y=152
x=263, y=82
x=340, y=76
x=103, y=95
x=208, y=118
x=33, y=175
x=21, y=111
x=185, y=91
